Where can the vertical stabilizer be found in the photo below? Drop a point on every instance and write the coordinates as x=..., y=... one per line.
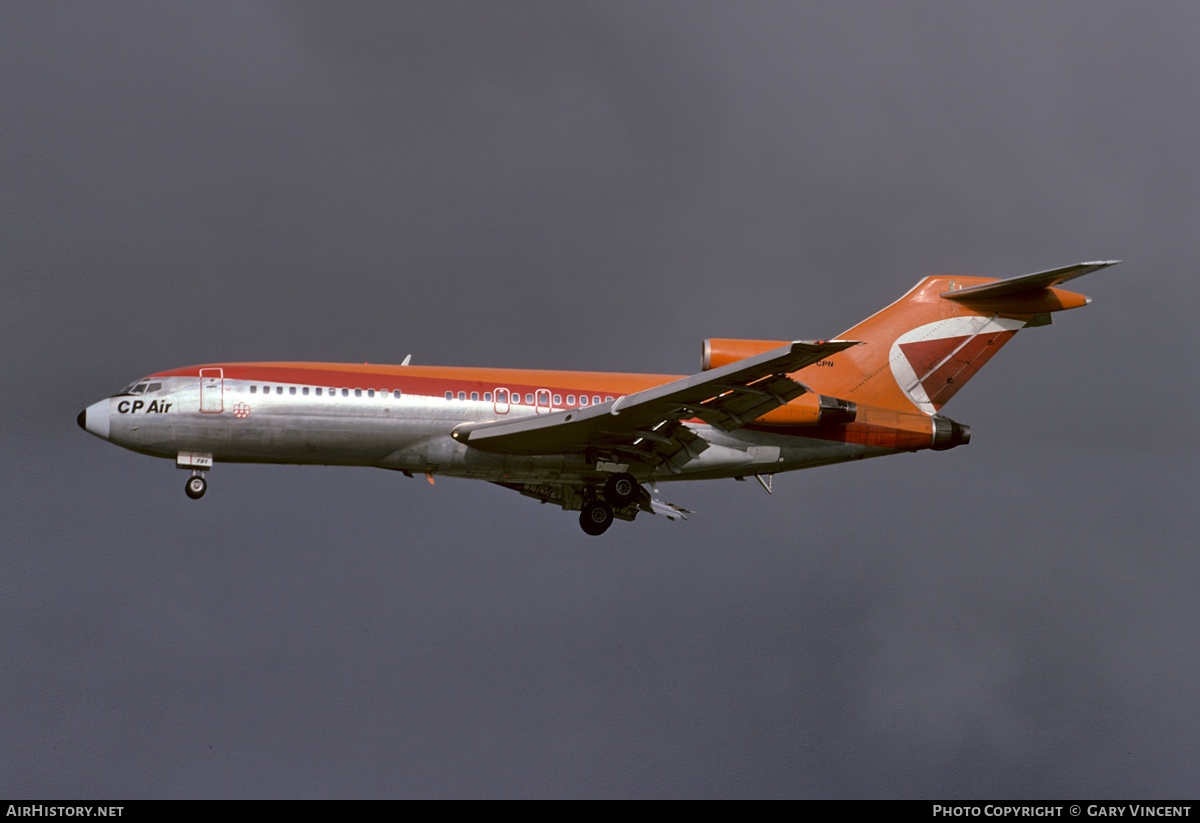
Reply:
x=919, y=351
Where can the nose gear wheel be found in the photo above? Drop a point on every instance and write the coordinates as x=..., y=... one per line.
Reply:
x=195, y=487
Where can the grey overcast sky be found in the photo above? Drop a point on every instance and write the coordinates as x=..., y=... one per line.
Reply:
x=598, y=186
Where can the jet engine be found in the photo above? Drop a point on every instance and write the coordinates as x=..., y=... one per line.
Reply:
x=719, y=352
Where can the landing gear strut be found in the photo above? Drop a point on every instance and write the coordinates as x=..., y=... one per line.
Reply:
x=596, y=517
x=196, y=486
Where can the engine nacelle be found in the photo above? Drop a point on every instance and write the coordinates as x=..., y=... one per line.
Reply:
x=811, y=410
x=947, y=434
x=719, y=352
x=808, y=409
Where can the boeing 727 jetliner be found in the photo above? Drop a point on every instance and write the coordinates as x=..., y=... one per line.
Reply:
x=593, y=442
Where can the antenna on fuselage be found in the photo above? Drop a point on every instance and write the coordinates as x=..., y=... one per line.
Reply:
x=407, y=360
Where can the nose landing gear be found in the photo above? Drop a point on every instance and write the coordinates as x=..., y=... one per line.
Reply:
x=198, y=463
x=196, y=486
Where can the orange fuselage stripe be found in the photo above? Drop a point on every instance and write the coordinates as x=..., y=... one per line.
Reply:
x=430, y=380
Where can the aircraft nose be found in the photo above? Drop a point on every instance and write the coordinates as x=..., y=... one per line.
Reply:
x=94, y=419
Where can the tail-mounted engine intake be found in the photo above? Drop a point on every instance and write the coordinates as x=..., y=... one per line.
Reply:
x=719, y=352
x=947, y=434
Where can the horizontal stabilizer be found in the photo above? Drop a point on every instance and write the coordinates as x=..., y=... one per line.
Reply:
x=1027, y=283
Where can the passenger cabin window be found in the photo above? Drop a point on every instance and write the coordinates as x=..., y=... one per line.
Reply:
x=487, y=397
x=528, y=399
x=254, y=389
x=558, y=399
x=462, y=395
x=570, y=400
x=474, y=395
x=396, y=393
x=291, y=389
x=279, y=389
x=305, y=390
x=449, y=395
x=358, y=392
x=345, y=392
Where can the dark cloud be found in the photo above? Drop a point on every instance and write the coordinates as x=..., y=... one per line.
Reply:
x=598, y=186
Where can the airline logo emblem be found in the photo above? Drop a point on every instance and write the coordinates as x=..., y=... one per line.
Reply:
x=931, y=362
x=241, y=410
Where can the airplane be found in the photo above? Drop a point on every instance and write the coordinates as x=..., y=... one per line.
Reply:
x=601, y=443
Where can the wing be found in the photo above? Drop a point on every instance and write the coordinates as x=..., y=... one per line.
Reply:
x=647, y=425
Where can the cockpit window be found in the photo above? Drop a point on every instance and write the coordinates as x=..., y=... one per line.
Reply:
x=136, y=387
x=143, y=386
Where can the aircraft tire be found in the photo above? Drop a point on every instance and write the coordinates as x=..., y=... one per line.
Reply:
x=621, y=489
x=195, y=487
x=596, y=517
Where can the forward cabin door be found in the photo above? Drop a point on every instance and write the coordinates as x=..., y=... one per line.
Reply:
x=212, y=391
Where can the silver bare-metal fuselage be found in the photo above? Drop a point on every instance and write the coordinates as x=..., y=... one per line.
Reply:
x=250, y=421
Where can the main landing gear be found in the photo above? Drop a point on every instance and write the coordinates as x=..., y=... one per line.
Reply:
x=196, y=486
x=620, y=490
x=596, y=517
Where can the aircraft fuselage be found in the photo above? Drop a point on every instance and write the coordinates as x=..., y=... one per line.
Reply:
x=402, y=418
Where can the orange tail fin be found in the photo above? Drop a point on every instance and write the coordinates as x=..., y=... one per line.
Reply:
x=919, y=351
